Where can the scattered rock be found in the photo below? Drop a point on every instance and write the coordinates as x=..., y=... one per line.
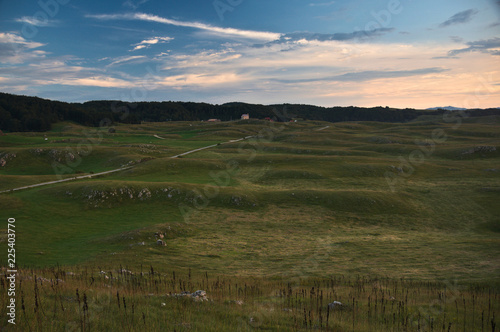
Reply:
x=58, y=155
x=236, y=200
x=198, y=296
x=123, y=271
x=399, y=169
x=144, y=194
x=42, y=280
x=483, y=149
x=37, y=152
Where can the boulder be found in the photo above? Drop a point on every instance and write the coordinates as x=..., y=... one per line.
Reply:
x=336, y=305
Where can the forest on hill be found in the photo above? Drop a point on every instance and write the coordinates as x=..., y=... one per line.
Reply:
x=24, y=113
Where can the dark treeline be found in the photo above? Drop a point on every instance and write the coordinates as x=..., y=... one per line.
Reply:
x=22, y=113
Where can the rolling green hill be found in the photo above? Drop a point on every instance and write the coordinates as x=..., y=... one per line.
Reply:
x=292, y=203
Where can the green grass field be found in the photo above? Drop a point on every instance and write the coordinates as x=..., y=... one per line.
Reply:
x=409, y=209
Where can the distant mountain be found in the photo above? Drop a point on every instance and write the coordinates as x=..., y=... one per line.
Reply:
x=447, y=108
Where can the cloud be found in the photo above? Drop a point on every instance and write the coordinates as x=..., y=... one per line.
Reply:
x=303, y=38
x=58, y=71
x=16, y=49
x=123, y=59
x=217, y=31
x=489, y=46
x=151, y=41
x=311, y=65
x=459, y=18
x=12, y=38
x=370, y=75
x=98, y=81
x=456, y=39
x=378, y=74
x=36, y=22
x=341, y=36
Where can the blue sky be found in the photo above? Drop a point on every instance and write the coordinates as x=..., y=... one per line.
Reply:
x=400, y=53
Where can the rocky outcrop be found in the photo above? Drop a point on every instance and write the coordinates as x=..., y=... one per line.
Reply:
x=58, y=155
x=6, y=158
x=109, y=197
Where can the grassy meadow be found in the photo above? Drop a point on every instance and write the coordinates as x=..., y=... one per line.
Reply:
x=399, y=222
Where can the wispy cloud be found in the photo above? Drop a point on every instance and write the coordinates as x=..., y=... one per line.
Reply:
x=336, y=36
x=124, y=59
x=377, y=74
x=459, y=18
x=370, y=75
x=456, y=39
x=490, y=46
x=151, y=41
x=218, y=31
x=32, y=20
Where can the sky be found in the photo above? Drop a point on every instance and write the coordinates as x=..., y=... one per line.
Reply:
x=397, y=53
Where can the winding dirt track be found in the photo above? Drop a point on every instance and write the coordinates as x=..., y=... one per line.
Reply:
x=114, y=170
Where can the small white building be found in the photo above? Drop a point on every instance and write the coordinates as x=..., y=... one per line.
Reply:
x=245, y=117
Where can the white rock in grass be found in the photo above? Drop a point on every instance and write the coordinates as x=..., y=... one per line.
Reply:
x=335, y=305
